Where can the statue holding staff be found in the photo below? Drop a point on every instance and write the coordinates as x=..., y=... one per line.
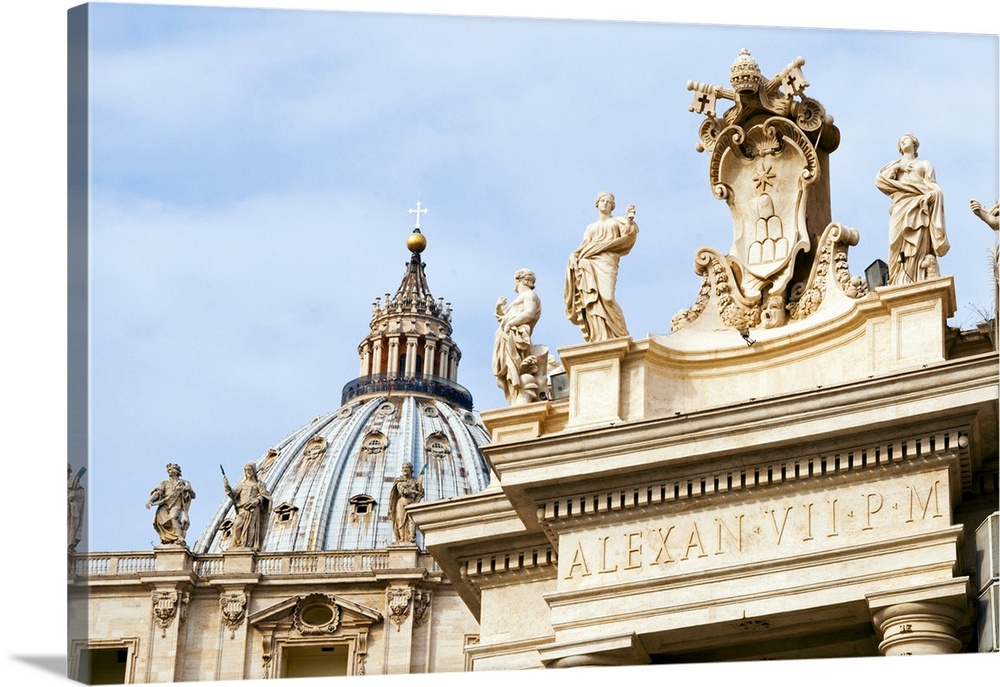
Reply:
x=253, y=503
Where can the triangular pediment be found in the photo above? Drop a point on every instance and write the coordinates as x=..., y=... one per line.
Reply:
x=283, y=611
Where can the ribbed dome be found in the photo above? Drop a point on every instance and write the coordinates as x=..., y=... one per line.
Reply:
x=330, y=481
x=344, y=462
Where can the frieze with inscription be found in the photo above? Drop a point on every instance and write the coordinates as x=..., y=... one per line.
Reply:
x=765, y=529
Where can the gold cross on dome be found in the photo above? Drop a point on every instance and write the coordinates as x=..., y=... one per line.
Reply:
x=418, y=212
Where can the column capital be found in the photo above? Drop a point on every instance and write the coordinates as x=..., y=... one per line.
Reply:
x=924, y=620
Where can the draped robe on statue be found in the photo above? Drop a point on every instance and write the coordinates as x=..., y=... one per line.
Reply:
x=916, y=218
x=592, y=274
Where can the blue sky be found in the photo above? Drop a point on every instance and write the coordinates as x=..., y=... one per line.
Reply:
x=252, y=169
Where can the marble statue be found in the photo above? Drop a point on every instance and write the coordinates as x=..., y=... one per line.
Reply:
x=592, y=272
x=253, y=503
x=172, y=498
x=406, y=489
x=991, y=216
x=916, y=215
x=518, y=365
x=74, y=507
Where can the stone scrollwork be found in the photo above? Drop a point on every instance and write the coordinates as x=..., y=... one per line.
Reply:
x=234, y=611
x=718, y=281
x=398, y=600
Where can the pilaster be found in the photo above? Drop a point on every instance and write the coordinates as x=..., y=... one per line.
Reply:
x=398, y=629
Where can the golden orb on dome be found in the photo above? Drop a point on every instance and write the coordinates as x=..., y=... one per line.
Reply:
x=416, y=241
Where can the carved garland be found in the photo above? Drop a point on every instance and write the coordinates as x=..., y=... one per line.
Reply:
x=806, y=297
x=717, y=275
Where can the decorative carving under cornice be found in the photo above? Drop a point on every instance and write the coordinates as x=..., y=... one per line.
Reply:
x=398, y=599
x=234, y=611
x=166, y=606
x=421, y=604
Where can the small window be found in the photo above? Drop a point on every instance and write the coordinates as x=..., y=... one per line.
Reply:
x=362, y=504
x=284, y=513
x=373, y=445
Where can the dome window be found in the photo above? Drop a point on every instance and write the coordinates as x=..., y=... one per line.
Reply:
x=284, y=513
x=373, y=445
x=315, y=448
x=437, y=448
x=362, y=504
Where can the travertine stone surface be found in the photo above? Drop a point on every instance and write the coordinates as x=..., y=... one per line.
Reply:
x=708, y=365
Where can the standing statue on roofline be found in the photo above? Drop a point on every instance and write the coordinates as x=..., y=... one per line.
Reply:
x=253, y=503
x=172, y=498
x=518, y=365
x=917, y=235
x=592, y=272
x=75, y=500
x=406, y=489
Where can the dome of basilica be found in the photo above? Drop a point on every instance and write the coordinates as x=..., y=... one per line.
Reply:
x=329, y=485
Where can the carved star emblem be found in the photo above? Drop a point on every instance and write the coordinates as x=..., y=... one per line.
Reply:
x=763, y=176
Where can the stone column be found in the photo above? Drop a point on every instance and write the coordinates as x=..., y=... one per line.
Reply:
x=429, y=350
x=918, y=628
x=168, y=610
x=377, y=357
x=398, y=630
x=921, y=620
x=411, y=357
x=393, y=364
x=234, y=604
x=442, y=370
x=366, y=359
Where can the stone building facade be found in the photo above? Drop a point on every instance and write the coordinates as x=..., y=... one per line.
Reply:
x=805, y=467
